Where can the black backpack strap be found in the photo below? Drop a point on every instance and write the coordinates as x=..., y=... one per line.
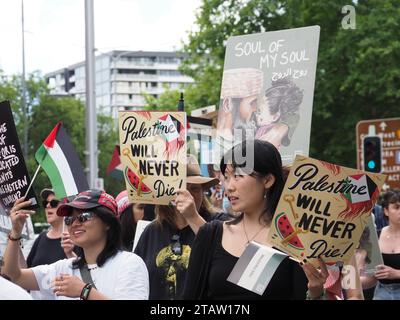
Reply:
x=85, y=274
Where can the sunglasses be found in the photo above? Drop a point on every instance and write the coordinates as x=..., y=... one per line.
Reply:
x=53, y=203
x=83, y=217
x=176, y=246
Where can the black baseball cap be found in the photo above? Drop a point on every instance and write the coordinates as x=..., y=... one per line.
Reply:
x=89, y=199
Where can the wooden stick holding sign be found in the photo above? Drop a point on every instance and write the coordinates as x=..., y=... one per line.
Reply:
x=33, y=179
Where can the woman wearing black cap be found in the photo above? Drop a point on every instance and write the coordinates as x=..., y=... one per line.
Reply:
x=101, y=271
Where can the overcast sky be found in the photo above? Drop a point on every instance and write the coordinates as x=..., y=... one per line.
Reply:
x=55, y=29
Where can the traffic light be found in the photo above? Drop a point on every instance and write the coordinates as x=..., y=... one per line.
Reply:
x=372, y=151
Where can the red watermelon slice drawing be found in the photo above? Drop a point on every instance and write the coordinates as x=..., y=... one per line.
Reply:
x=135, y=182
x=284, y=229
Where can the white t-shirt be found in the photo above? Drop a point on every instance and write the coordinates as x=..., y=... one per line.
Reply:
x=122, y=277
x=10, y=291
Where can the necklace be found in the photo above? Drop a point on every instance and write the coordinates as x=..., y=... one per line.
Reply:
x=253, y=237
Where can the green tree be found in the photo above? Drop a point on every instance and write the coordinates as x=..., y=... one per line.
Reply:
x=357, y=73
x=44, y=113
x=168, y=100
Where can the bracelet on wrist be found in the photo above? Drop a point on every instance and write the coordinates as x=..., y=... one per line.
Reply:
x=322, y=296
x=86, y=291
x=11, y=238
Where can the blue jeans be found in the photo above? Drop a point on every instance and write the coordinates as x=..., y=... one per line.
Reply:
x=387, y=291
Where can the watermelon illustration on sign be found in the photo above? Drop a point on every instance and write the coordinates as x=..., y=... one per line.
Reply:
x=136, y=183
x=287, y=233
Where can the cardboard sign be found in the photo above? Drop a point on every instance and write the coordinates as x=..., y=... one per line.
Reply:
x=323, y=211
x=267, y=90
x=14, y=178
x=256, y=267
x=369, y=247
x=153, y=153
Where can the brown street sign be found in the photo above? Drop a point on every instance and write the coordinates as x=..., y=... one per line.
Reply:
x=389, y=131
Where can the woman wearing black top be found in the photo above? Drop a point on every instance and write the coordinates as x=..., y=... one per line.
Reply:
x=388, y=287
x=165, y=244
x=50, y=246
x=254, y=191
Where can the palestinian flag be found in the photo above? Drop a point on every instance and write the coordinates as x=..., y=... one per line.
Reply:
x=175, y=139
x=115, y=167
x=256, y=267
x=359, y=204
x=58, y=158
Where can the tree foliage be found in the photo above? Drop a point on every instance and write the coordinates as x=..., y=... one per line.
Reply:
x=357, y=73
x=45, y=111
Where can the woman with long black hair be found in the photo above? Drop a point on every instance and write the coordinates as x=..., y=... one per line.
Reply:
x=101, y=269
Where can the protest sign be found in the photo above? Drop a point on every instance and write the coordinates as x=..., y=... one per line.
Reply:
x=153, y=153
x=369, y=249
x=14, y=178
x=323, y=211
x=267, y=90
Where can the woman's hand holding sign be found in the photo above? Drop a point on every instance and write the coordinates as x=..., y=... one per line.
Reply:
x=316, y=278
x=188, y=203
x=185, y=204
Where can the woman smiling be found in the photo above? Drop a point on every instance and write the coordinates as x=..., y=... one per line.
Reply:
x=94, y=228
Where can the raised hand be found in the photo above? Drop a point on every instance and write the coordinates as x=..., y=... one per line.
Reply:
x=18, y=216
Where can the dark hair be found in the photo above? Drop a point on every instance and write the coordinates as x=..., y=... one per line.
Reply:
x=284, y=97
x=113, y=241
x=391, y=196
x=267, y=160
x=128, y=228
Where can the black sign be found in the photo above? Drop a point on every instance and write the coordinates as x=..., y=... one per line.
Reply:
x=14, y=178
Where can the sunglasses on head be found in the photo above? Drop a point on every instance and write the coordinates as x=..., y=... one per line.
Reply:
x=53, y=203
x=83, y=217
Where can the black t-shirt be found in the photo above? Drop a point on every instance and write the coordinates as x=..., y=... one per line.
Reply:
x=45, y=251
x=211, y=264
x=165, y=251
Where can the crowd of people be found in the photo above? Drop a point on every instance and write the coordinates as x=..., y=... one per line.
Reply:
x=189, y=248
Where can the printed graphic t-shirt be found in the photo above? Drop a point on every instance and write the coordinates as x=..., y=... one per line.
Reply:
x=166, y=251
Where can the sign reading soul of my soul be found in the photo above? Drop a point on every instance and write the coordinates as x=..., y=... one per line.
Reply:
x=323, y=211
x=153, y=153
x=267, y=90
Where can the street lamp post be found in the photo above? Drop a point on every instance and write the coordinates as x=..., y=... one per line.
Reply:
x=91, y=116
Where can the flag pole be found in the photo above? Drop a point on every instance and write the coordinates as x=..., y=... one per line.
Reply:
x=33, y=179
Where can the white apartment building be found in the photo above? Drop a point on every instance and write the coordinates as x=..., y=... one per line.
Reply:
x=121, y=79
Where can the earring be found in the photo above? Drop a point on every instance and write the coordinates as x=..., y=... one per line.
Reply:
x=265, y=194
